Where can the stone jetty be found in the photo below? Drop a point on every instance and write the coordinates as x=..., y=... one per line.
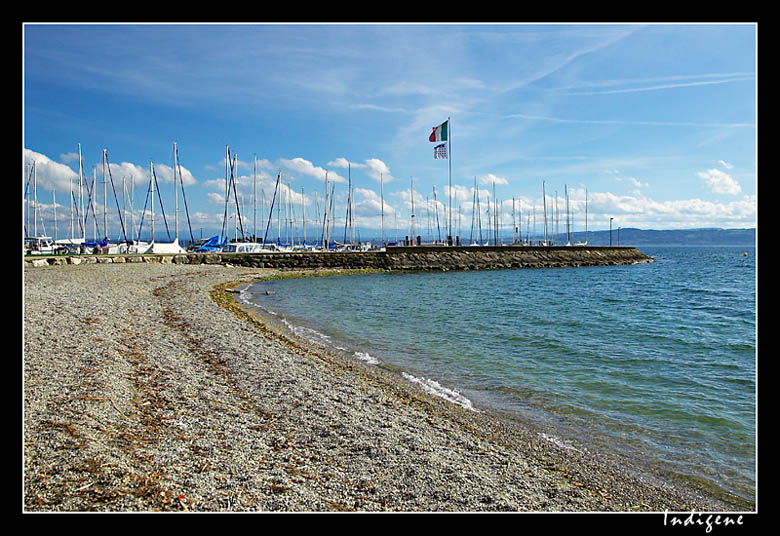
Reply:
x=408, y=258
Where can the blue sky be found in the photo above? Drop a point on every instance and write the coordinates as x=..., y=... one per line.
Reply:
x=658, y=122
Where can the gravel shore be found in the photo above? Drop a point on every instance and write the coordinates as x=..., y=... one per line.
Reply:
x=145, y=389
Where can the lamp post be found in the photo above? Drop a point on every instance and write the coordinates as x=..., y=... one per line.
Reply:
x=610, y=231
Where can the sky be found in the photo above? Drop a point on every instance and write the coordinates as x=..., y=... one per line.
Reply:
x=656, y=122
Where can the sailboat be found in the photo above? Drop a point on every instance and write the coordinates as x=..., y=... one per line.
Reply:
x=242, y=247
x=164, y=247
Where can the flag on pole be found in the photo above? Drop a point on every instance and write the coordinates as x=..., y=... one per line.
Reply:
x=440, y=133
x=440, y=152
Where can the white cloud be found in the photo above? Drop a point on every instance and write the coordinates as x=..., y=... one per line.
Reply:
x=69, y=157
x=720, y=182
x=462, y=193
x=369, y=203
x=725, y=164
x=300, y=165
x=163, y=172
x=646, y=213
x=378, y=169
x=341, y=162
x=216, y=198
x=49, y=175
x=491, y=179
x=374, y=168
x=54, y=175
x=637, y=182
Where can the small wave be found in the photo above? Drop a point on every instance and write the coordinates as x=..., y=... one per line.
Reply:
x=307, y=333
x=435, y=388
x=558, y=442
x=245, y=297
x=365, y=356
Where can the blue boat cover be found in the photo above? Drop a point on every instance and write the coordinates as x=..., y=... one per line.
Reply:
x=103, y=243
x=214, y=243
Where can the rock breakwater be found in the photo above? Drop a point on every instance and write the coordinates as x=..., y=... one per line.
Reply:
x=394, y=258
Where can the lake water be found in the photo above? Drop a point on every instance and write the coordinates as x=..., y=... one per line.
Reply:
x=654, y=362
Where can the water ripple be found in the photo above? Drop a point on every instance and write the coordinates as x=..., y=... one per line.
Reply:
x=655, y=360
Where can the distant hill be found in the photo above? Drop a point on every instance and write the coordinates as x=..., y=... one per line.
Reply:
x=679, y=237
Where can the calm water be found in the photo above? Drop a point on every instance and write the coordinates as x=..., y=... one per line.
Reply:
x=656, y=362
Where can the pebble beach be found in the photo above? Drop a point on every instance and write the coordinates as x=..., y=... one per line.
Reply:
x=148, y=388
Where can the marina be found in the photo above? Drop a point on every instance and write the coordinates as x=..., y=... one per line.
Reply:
x=280, y=216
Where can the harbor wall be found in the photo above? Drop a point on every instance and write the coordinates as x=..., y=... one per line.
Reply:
x=436, y=258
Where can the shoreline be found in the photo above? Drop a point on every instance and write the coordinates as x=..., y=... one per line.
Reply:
x=287, y=331
x=147, y=387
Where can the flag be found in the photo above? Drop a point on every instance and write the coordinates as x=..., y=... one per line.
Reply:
x=440, y=133
x=440, y=152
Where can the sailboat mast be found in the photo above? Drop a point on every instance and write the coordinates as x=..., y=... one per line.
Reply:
x=278, y=212
x=479, y=211
x=495, y=216
x=105, y=214
x=332, y=227
x=289, y=214
x=132, y=209
x=411, y=190
x=70, y=184
x=254, y=200
x=519, y=222
x=473, y=207
x=544, y=200
x=92, y=204
x=175, y=196
x=324, y=212
x=382, y=208
x=556, y=221
x=81, y=199
x=35, y=201
x=262, y=208
x=151, y=185
x=26, y=199
x=227, y=191
x=124, y=201
x=348, y=219
x=235, y=195
x=514, y=221
x=568, y=227
x=54, y=203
